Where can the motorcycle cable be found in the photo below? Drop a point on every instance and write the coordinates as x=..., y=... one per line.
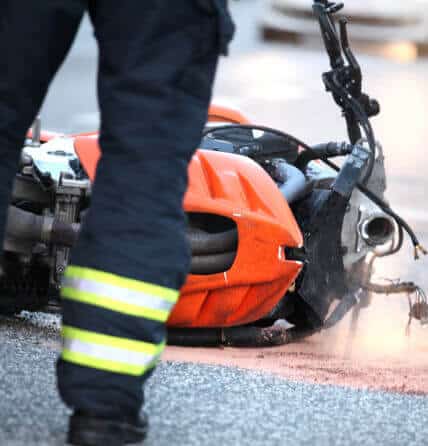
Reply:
x=418, y=248
x=360, y=118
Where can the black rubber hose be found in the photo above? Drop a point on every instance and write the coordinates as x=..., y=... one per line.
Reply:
x=320, y=151
x=204, y=243
x=292, y=182
x=256, y=336
x=195, y=337
x=212, y=264
x=247, y=336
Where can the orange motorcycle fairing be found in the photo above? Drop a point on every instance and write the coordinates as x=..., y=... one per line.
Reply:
x=220, y=114
x=237, y=188
x=88, y=150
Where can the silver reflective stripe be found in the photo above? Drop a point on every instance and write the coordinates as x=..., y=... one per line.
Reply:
x=119, y=294
x=106, y=353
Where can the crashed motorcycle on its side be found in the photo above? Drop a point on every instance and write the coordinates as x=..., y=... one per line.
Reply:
x=283, y=240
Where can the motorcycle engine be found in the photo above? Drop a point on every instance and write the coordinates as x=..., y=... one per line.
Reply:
x=50, y=195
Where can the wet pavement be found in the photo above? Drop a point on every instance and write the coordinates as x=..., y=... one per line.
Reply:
x=280, y=86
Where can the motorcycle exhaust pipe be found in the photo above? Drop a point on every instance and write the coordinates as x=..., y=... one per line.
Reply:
x=377, y=229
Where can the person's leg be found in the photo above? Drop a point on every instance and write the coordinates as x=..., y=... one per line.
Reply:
x=157, y=63
x=34, y=39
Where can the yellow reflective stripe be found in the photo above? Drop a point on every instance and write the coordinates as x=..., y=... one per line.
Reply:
x=131, y=284
x=123, y=295
x=109, y=353
x=111, y=341
x=114, y=305
x=102, y=364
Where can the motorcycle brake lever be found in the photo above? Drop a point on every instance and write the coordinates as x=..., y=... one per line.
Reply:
x=354, y=73
x=353, y=67
x=328, y=31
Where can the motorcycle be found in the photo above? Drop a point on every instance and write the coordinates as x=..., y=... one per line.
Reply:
x=283, y=240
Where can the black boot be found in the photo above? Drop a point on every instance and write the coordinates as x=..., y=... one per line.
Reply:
x=89, y=430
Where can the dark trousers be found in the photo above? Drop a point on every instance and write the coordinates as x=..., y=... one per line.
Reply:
x=157, y=60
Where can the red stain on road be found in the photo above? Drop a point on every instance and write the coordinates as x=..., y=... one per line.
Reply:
x=381, y=357
x=307, y=362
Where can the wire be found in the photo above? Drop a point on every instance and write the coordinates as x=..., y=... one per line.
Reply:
x=393, y=288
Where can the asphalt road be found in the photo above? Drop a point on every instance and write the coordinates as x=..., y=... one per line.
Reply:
x=204, y=405
x=278, y=85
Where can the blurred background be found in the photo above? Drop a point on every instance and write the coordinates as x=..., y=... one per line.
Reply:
x=273, y=75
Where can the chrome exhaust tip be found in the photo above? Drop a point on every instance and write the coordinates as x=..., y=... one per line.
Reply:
x=377, y=230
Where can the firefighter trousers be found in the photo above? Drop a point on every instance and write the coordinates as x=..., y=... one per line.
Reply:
x=157, y=61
